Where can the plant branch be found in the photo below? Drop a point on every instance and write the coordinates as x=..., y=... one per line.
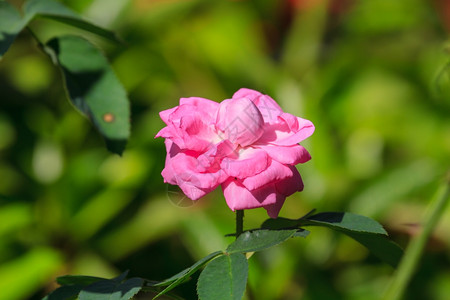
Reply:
x=413, y=253
x=239, y=222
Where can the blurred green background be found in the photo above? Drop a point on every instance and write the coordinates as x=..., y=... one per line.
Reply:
x=371, y=75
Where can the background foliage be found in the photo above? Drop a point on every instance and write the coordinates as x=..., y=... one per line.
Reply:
x=371, y=75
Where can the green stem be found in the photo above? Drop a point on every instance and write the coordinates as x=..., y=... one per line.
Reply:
x=239, y=230
x=239, y=222
x=415, y=249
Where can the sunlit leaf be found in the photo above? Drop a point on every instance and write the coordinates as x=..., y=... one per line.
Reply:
x=224, y=278
x=93, y=88
x=57, y=11
x=11, y=23
x=257, y=240
x=301, y=233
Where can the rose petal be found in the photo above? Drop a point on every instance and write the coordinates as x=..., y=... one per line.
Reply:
x=247, y=144
x=249, y=162
x=196, y=135
x=165, y=114
x=269, y=109
x=181, y=169
x=290, y=155
x=177, y=136
x=202, y=105
x=193, y=125
x=165, y=132
x=210, y=160
x=291, y=184
x=192, y=191
x=238, y=197
x=274, y=173
x=189, y=131
x=285, y=187
x=240, y=121
x=274, y=209
x=185, y=168
x=189, y=110
x=289, y=130
x=167, y=173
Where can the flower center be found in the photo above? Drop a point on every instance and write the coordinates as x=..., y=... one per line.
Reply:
x=240, y=121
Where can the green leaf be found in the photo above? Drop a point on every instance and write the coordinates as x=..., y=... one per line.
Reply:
x=284, y=223
x=111, y=289
x=345, y=221
x=257, y=240
x=301, y=233
x=57, y=11
x=364, y=230
x=184, y=275
x=77, y=280
x=280, y=223
x=93, y=88
x=380, y=246
x=224, y=278
x=11, y=23
x=67, y=292
x=121, y=277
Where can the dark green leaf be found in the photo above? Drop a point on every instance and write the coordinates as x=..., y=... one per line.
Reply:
x=284, y=223
x=184, y=275
x=116, y=146
x=251, y=241
x=93, y=88
x=67, y=292
x=11, y=23
x=380, y=246
x=77, y=280
x=224, y=278
x=121, y=277
x=57, y=11
x=364, y=230
x=280, y=223
x=111, y=290
x=345, y=221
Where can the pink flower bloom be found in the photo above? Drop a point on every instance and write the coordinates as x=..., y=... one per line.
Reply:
x=246, y=144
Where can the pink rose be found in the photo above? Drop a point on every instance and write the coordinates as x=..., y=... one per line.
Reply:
x=246, y=144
